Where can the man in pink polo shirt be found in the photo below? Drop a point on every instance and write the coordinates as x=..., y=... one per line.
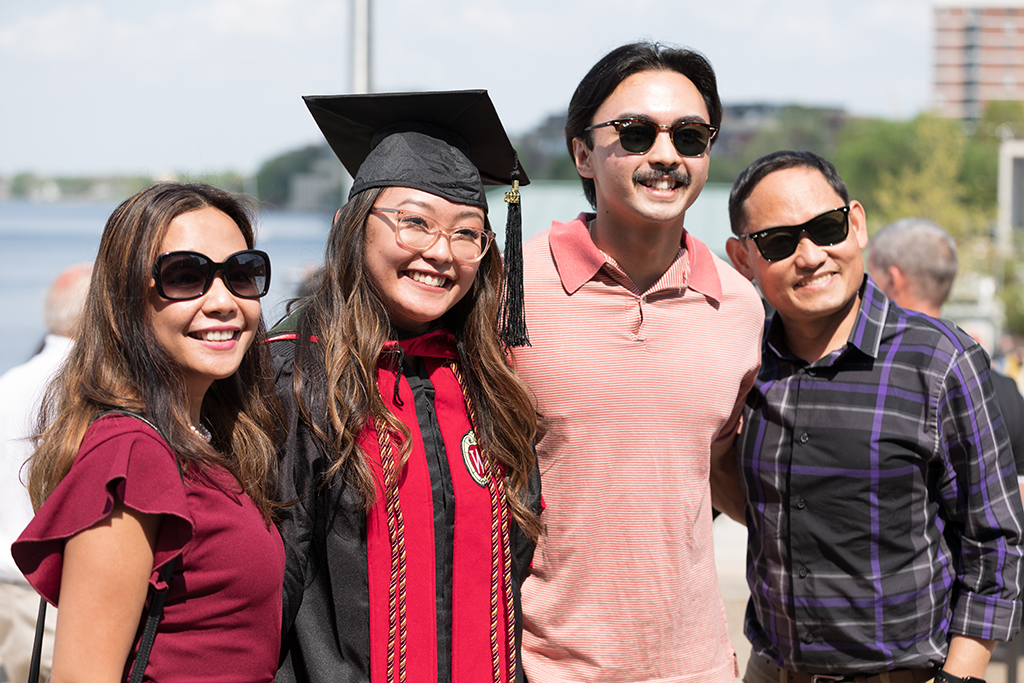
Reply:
x=644, y=347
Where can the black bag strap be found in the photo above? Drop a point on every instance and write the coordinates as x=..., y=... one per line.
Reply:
x=150, y=617
x=37, y=643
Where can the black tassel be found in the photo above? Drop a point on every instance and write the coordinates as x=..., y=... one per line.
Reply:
x=400, y=358
x=512, y=318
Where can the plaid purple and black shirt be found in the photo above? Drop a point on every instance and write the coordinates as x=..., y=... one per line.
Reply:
x=882, y=501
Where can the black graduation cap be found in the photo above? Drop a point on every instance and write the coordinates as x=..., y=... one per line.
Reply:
x=449, y=144
x=444, y=142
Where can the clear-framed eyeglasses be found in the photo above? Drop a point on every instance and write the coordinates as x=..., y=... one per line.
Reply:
x=416, y=232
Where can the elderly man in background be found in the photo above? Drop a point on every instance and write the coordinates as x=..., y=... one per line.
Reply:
x=21, y=390
x=884, y=523
x=914, y=261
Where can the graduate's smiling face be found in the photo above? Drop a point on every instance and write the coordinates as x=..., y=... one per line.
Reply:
x=418, y=287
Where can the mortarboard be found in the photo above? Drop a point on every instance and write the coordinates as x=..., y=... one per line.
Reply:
x=449, y=144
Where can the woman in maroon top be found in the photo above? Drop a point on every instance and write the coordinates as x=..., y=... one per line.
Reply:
x=156, y=446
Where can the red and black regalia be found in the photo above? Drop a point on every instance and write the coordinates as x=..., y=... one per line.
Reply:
x=423, y=586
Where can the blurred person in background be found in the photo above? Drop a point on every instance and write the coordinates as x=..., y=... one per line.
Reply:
x=914, y=262
x=21, y=389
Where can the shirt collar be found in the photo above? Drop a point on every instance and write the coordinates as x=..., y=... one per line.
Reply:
x=866, y=335
x=578, y=260
x=437, y=344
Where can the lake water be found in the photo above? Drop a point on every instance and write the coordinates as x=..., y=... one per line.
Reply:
x=38, y=241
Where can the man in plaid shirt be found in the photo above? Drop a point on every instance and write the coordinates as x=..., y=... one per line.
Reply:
x=884, y=519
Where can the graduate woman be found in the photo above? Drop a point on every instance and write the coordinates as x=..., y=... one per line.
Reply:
x=158, y=447
x=408, y=464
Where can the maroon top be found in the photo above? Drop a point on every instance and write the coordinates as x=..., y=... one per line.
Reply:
x=222, y=617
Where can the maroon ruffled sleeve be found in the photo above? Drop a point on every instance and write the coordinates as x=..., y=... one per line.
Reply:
x=121, y=458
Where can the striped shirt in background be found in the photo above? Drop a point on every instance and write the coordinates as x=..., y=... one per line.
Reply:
x=633, y=388
x=882, y=501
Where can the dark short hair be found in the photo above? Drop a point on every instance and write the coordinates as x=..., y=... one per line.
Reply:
x=620, y=64
x=777, y=161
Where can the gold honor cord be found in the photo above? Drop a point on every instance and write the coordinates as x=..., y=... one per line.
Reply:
x=499, y=534
x=396, y=536
x=501, y=571
x=510, y=610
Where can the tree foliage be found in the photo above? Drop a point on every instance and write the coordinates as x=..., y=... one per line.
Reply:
x=927, y=166
x=39, y=188
x=927, y=181
x=227, y=180
x=274, y=177
x=788, y=127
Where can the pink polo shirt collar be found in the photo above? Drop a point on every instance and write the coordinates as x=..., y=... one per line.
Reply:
x=578, y=260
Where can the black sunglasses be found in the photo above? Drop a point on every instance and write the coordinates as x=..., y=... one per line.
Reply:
x=185, y=275
x=637, y=136
x=824, y=230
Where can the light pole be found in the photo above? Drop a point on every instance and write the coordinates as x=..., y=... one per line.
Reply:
x=360, y=46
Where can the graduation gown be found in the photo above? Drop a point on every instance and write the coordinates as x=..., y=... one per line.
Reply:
x=338, y=557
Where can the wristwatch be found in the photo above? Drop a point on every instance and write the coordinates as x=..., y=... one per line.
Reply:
x=943, y=677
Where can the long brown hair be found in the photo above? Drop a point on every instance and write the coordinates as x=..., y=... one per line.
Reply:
x=117, y=363
x=351, y=324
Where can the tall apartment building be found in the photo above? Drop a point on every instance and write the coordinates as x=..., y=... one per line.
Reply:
x=979, y=55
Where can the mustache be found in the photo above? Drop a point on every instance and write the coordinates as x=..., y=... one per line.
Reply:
x=673, y=174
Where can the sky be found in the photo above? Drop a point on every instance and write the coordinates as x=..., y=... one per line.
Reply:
x=138, y=87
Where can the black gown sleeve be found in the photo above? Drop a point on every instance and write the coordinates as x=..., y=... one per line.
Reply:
x=325, y=613
x=294, y=459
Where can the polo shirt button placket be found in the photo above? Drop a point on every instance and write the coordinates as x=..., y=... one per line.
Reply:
x=641, y=301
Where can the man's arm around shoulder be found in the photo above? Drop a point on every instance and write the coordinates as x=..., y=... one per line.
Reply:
x=726, y=491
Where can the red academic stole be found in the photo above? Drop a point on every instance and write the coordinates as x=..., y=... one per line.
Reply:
x=472, y=554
